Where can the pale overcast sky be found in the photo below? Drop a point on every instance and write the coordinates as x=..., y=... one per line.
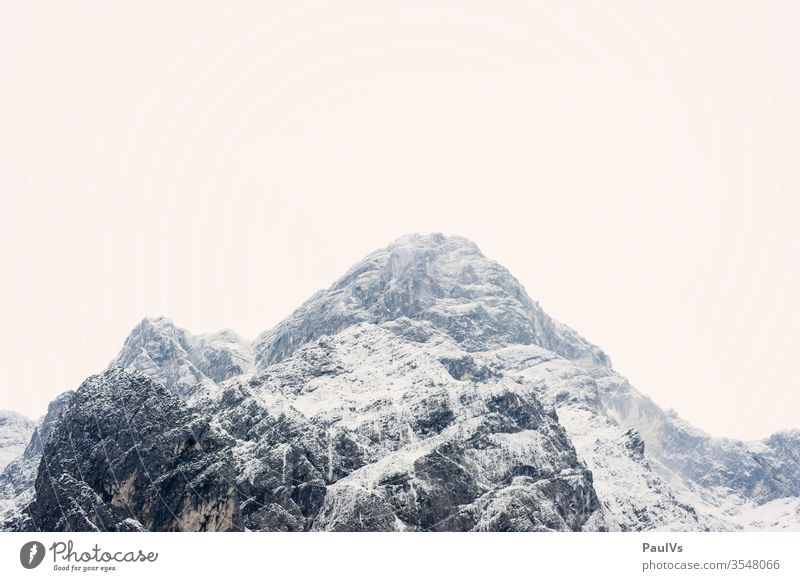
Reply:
x=634, y=164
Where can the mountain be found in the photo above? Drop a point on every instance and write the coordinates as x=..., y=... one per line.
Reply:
x=129, y=455
x=18, y=478
x=464, y=459
x=424, y=390
x=446, y=281
x=417, y=435
x=724, y=478
x=188, y=365
x=15, y=430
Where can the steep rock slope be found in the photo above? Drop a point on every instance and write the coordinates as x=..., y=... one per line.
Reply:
x=362, y=431
x=625, y=478
x=129, y=455
x=720, y=476
x=449, y=283
x=446, y=281
x=418, y=436
x=423, y=391
x=15, y=431
x=189, y=365
x=19, y=476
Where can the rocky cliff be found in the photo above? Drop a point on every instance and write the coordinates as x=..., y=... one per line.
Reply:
x=424, y=390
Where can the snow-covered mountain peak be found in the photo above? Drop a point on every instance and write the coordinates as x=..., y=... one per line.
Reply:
x=427, y=362
x=454, y=247
x=446, y=281
x=189, y=365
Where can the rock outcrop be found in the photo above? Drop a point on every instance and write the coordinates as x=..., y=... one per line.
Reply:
x=126, y=455
x=424, y=390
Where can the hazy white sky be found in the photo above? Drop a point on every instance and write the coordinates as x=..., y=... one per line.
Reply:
x=635, y=165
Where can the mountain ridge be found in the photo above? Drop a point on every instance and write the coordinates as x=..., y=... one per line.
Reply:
x=416, y=337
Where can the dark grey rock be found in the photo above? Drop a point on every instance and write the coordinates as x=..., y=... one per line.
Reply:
x=127, y=450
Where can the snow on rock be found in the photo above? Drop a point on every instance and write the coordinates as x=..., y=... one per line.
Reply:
x=384, y=437
x=127, y=452
x=705, y=471
x=18, y=478
x=781, y=514
x=446, y=281
x=15, y=431
x=189, y=365
x=424, y=390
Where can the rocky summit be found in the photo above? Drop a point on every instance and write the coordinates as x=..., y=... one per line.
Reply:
x=423, y=391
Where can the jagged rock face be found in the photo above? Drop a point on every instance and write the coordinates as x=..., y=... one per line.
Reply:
x=626, y=483
x=15, y=471
x=15, y=431
x=715, y=472
x=367, y=430
x=189, y=365
x=410, y=436
x=126, y=455
x=42, y=431
x=423, y=391
x=279, y=460
x=784, y=449
x=767, y=470
x=18, y=478
x=406, y=445
x=220, y=355
x=446, y=281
